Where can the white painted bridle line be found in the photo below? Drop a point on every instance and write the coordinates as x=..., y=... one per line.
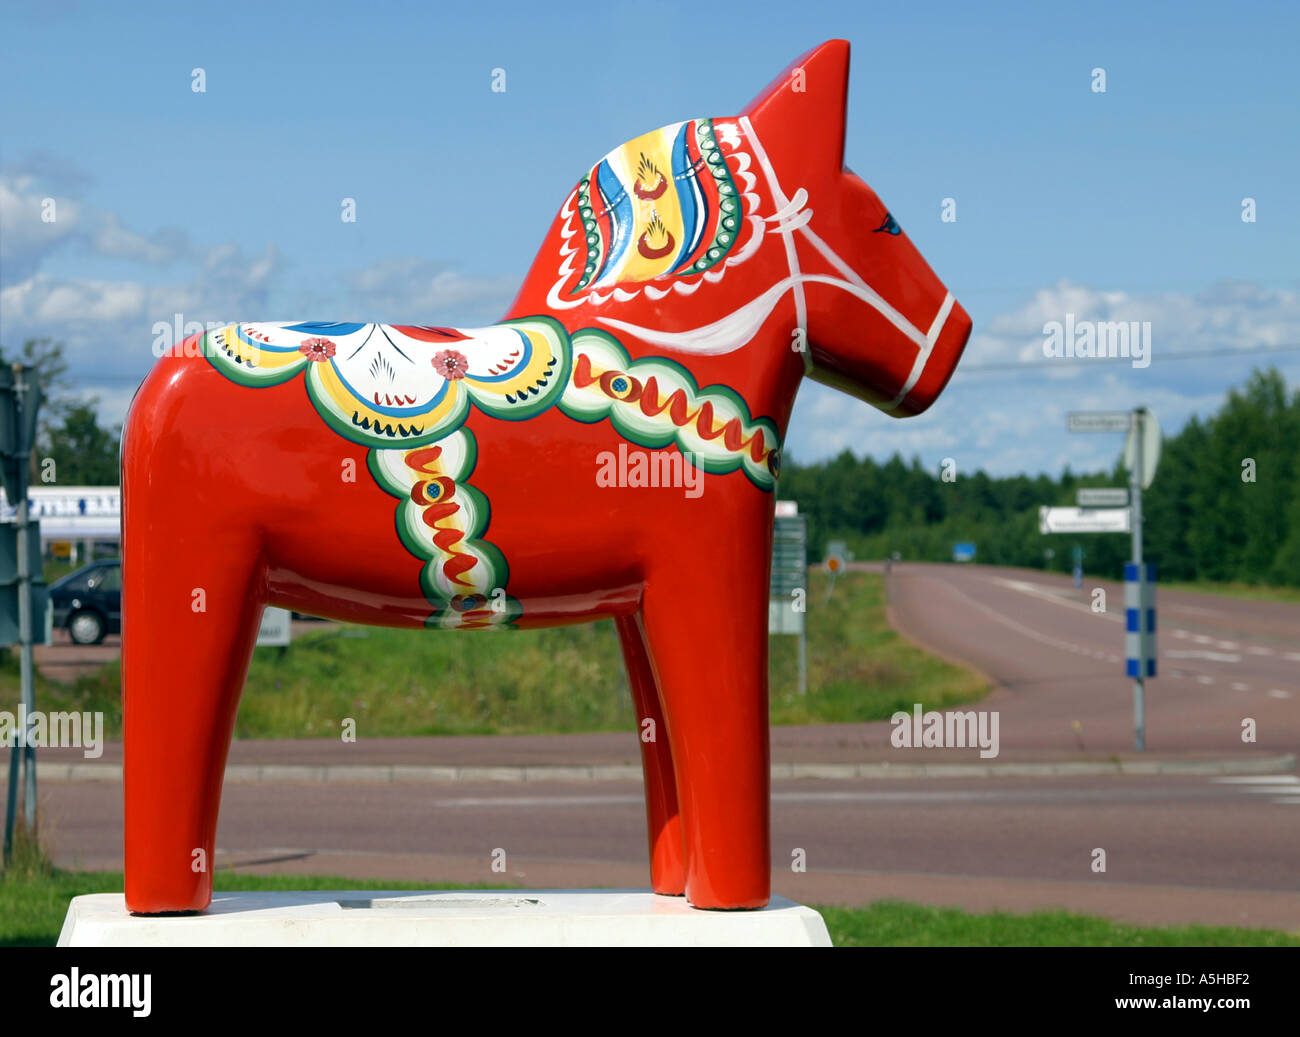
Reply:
x=737, y=329
x=923, y=355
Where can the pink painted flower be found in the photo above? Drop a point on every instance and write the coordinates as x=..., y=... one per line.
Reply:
x=317, y=350
x=450, y=364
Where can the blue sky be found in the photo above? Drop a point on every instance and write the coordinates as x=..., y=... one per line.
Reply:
x=1123, y=205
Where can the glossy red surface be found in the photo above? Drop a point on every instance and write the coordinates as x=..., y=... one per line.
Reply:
x=235, y=496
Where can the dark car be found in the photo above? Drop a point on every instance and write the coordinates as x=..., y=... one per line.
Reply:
x=89, y=601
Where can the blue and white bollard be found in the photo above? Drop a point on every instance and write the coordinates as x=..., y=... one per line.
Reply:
x=1140, y=621
x=1139, y=637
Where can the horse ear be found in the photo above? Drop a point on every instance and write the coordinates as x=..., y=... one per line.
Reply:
x=799, y=118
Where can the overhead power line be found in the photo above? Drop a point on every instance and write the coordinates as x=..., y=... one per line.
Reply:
x=1202, y=354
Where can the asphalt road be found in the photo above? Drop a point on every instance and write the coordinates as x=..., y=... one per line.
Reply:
x=1059, y=664
x=1216, y=850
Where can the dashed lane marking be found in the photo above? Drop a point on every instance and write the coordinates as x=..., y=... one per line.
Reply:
x=1276, y=785
x=1258, y=779
x=1217, y=657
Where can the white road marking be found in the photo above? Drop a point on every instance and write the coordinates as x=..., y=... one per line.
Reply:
x=1278, y=693
x=1258, y=650
x=1278, y=786
x=1240, y=686
x=1006, y=621
x=1217, y=657
x=1202, y=679
x=1046, y=595
x=1259, y=779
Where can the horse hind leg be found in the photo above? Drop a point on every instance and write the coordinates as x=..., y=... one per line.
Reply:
x=667, y=864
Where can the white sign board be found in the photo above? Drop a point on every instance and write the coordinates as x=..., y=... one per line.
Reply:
x=1099, y=421
x=71, y=512
x=1103, y=497
x=275, y=629
x=1150, y=448
x=1083, y=520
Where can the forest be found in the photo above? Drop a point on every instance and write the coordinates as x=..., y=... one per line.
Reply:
x=1224, y=504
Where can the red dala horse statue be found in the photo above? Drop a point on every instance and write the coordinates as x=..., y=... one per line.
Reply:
x=691, y=279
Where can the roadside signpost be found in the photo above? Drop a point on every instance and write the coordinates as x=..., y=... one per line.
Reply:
x=1103, y=497
x=20, y=402
x=787, y=601
x=276, y=628
x=837, y=554
x=1083, y=520
x=1099, y=421
x=1103, y=510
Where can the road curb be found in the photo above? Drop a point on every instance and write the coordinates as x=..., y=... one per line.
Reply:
x=398, y=773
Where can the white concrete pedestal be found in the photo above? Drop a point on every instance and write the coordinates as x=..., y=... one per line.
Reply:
x=444, y=918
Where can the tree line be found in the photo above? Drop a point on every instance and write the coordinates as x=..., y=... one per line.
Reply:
x=68, y=431
x=1224, y=504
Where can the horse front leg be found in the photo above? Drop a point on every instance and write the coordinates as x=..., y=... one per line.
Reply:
x=193, y=595
x=707, y=635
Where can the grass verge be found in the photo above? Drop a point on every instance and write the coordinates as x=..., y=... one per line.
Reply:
x=1250, y=591
x=892, y=923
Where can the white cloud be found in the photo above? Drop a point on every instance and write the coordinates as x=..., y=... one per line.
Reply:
x=418, y=291
x=39, y=218
x=1013, y=421
x=25, y=238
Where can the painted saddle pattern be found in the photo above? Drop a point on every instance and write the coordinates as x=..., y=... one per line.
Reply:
x=406, y=391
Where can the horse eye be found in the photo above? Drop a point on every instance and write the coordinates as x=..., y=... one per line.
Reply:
x=889, y=225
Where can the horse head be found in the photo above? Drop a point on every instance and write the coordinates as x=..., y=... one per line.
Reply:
x=690, y=237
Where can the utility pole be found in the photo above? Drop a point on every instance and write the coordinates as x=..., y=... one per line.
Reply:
x=20, y=400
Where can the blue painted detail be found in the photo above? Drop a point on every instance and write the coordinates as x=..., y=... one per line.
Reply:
x=1131, y=621
x=615, y=198
x=1130, y=572
x=695, y=209
x=325, y=327
x=255, y=344
x=1131, y=667
x=1151, y=621
x=514, y=371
